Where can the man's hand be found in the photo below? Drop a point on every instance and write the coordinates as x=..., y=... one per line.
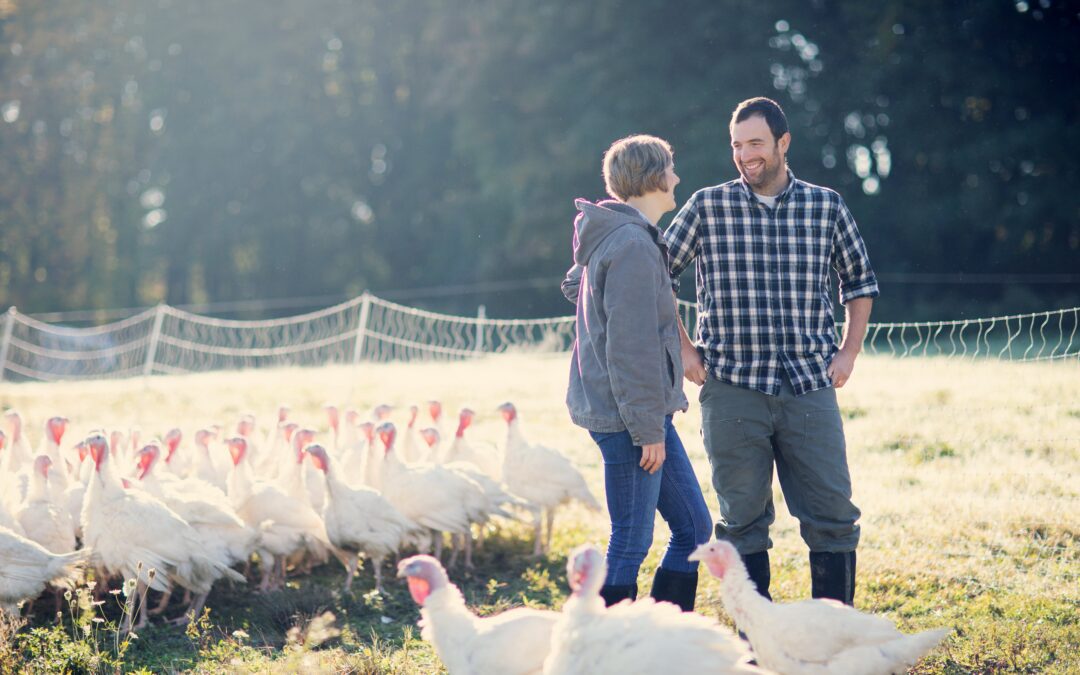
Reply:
x=840, y=368
x=693, y=364
x=652, y=456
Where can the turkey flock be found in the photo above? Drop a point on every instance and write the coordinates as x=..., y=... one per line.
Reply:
x=812, y=637
x=168, y=515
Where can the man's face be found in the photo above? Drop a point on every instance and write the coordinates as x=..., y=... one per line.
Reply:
x=757, y=155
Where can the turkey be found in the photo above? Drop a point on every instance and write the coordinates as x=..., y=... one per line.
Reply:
x=497, y=496
x=19, y=451
x=26, y=567
x=542, y=476
x=430, y=495
x=359, y=520
x=381, y=412
x=333, y=416
x=8, y=520
x=276, y=454
x=202, y=465
x=284, y=524
x=483, y=456
x=15, y=462
x=42, y=518
x=811, y=637
x=178, y=463
x=354, y=449
x=411, y=450
x=297, y=480
x=634, y=637
x=131, y=533
x=50, y=446
x=515, y=642
x=203, y=506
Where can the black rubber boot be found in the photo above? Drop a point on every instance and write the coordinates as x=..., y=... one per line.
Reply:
x=757, y=566
x=678, y=588
x=832, y=575
x=613, y=594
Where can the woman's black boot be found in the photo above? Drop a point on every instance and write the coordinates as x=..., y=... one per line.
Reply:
x=679, y=588
x=613, y=594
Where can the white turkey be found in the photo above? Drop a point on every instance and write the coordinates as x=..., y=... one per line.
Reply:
x=644, y=636
x=811, y=637
x=515, y=642
x=43, y=517
x=359, y=519
x=178, y=463
x=15, y=462
x=430, y=495
x=484, y=456
x=73, y=497
x=333, y=416
x=542, y=476
x=203, y=506
x=50, y=447
x=284, y=524
x=411, y=450
x=498, y=497
x=353, y=451
x=26, y=567
x=202, y=464
x=131, y=533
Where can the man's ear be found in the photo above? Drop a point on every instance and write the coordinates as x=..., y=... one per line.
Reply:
x=784, y=142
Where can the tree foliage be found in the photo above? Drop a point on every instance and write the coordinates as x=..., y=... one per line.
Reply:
x=208, y=151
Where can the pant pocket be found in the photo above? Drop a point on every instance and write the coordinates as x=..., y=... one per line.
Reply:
x=724, y=434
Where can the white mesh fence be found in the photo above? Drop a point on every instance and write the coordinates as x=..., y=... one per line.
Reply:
x=168, y=340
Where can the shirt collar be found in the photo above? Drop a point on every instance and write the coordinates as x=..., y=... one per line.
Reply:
x=780, y=198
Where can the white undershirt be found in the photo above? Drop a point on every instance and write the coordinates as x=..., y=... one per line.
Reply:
x=767, y=200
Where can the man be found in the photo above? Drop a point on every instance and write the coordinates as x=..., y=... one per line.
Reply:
x=769, y=364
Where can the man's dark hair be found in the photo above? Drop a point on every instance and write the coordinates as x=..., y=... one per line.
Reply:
x=767, y=108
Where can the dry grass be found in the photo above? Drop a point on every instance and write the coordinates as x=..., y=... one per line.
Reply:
x=966, y=473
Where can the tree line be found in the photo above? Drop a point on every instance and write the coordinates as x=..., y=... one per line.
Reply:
x=191, y=152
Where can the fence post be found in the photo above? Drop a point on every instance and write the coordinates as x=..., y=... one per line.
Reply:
x=361, y=327
x=481, y=315
x=155, y=335
x=5, y=342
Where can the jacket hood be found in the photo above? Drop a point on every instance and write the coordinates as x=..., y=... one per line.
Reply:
x=596, y=221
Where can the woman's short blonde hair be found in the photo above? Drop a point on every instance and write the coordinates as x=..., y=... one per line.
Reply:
x=635, y=165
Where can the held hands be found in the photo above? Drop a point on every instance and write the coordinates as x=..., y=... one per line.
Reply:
x=840, y=368
x=693, y=364
x=652, y=457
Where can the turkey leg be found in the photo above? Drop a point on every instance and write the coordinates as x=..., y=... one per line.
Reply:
x=351, y=572
x=550, y=526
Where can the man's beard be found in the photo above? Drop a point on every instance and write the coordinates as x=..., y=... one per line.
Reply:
x=771, y=171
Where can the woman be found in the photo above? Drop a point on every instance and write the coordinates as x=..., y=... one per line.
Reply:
x=626, y=374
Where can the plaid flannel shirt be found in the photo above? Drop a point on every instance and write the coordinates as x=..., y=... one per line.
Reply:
x=763, y=280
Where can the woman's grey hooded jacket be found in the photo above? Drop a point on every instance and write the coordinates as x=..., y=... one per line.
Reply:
x=627, y=367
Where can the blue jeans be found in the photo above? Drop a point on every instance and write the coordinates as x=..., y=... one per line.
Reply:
x=634, y=496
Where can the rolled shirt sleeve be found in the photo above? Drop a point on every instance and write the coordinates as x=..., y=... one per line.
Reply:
x=850, y=259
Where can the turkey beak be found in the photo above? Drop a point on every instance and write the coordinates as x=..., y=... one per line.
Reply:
x=407, y=569
x=698, y=555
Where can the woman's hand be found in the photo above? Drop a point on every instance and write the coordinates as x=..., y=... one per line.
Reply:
x=652, y=456
x=693, y=365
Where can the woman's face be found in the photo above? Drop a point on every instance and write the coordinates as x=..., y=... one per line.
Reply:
x=672, y=179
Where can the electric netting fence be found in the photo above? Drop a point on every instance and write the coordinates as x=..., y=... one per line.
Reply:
x=166, y=340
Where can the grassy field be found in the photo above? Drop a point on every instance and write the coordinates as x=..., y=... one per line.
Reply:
x=967, y=474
